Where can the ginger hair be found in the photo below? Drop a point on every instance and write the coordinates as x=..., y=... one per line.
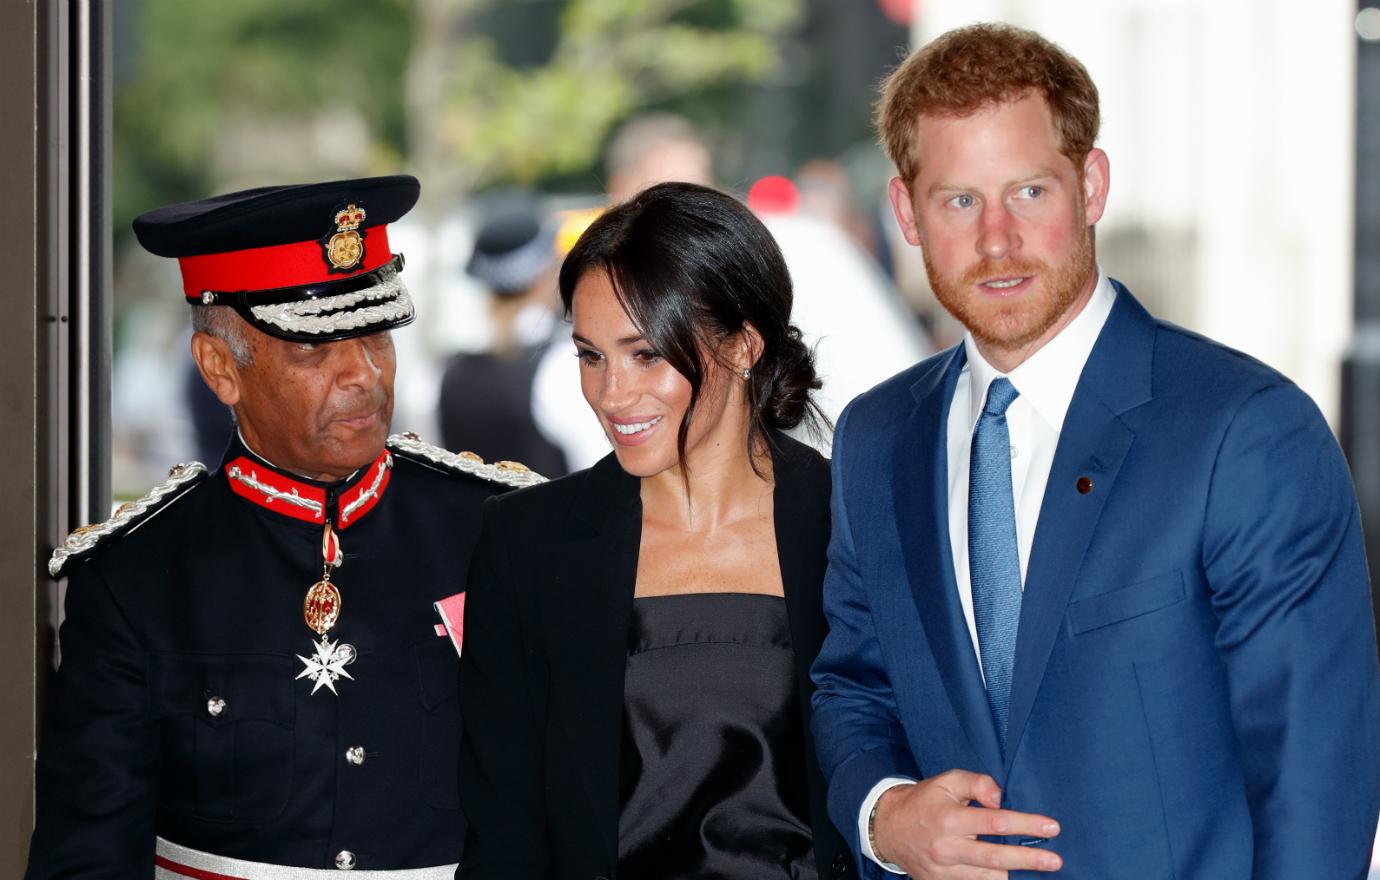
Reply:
x=971, y=68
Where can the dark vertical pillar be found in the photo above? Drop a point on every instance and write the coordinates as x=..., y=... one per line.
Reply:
x=73, y=255
x=54, y=349
x=20, y=413
x=92, y=264
x=1360, y=426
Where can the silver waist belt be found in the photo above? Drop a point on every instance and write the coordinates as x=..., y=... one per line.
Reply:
x=176, y=862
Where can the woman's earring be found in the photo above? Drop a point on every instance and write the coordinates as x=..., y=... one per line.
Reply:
x=747, y=373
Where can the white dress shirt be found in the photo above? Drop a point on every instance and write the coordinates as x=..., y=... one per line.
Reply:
x=1046, y=382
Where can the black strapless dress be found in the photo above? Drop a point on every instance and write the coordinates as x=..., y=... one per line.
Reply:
x=713, y=765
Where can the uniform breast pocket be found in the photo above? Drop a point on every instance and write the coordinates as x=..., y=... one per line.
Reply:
x=438, y=688
x=1137, y=600
x=227, y=734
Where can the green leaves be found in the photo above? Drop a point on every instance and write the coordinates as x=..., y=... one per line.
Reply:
x=613, y=57
x=215, y=95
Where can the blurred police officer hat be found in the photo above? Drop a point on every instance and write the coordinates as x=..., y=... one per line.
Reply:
x=514, y=245
x=303, y=262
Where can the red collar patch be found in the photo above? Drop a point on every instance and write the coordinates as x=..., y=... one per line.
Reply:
x=360, y=498
x=281, y=493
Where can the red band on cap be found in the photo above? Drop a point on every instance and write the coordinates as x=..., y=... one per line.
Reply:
x=279, y=265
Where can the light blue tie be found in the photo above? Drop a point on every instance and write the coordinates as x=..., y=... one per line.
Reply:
x=993, y=562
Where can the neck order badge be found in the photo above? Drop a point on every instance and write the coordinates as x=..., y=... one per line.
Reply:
x=347, y=503
x=321, y=608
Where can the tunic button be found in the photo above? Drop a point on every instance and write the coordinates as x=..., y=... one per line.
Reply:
x=216, y=707
x=355, y=755
x=345, y=860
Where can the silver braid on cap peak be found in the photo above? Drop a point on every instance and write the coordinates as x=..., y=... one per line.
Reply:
x=393, y=303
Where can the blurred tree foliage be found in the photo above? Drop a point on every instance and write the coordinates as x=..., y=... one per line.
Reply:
x=463, y=92
x=611, y=58
x=187, y=74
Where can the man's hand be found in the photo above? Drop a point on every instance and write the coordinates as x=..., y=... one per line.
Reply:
x=929, y=830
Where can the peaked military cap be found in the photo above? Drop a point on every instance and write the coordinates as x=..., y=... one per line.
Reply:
x=303, y=262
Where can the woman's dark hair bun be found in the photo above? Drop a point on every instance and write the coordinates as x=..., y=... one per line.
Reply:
x=787, y=396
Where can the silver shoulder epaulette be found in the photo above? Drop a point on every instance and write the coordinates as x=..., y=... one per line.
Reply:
x=84, y=540
x=507, y=473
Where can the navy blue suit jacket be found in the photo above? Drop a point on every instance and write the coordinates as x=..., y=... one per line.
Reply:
x=1196, y=692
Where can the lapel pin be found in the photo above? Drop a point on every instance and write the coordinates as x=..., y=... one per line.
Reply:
x=1084, y=485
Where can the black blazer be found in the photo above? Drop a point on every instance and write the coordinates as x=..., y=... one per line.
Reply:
x=546, y=635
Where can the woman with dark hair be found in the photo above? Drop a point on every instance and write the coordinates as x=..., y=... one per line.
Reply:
x=635, y=679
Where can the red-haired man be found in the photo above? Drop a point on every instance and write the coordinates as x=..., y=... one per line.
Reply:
x=1095, y=575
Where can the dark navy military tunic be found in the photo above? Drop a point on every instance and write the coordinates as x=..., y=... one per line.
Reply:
x=177, y=711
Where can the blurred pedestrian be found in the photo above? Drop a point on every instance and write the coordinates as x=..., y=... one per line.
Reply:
x=826, y=193
x=653, y=148
x=486, y=397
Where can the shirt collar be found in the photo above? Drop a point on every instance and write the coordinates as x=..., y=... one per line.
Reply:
x=343, y=502
x=1048, y=378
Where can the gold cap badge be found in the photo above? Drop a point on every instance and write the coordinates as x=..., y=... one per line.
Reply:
x=344, y=250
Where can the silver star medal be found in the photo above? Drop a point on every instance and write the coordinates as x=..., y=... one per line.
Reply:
x=328, y=666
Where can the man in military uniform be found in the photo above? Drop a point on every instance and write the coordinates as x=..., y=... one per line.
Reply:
x=254, y=681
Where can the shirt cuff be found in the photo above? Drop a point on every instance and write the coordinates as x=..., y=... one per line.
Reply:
x=864, y=842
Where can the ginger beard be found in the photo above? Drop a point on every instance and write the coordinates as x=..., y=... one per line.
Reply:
x=1010, y=325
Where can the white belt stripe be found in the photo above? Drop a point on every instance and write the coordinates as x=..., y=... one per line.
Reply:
x=201, y=863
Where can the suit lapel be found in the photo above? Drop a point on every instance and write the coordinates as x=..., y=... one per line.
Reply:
x=1093, y=443
x=589, y=634
x=920, y=469
x=800, y=514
